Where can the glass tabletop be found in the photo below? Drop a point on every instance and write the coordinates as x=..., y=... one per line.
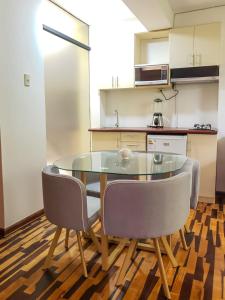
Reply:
x=112, y=162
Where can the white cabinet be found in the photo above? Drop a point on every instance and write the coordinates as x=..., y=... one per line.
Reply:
x=203, y=147
x=195, y=46
x=181, y=47
x=116, y=68
x=207, y=44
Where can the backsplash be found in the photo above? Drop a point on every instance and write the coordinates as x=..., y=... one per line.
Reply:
x=195, y=103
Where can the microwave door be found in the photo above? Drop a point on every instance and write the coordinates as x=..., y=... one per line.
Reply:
x=147, y=74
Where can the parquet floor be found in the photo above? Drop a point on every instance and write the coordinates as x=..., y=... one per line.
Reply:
x=201, y=273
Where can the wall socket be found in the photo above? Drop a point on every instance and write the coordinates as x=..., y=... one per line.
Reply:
x=27, y=80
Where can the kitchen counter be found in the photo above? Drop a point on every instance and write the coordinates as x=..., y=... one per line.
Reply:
x=165, y=130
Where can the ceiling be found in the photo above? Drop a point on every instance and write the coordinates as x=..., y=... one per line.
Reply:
x=179, y=6
x=97, y=11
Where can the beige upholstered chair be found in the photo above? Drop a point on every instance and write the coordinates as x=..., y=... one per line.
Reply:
x=147, y=209
x=67, y=206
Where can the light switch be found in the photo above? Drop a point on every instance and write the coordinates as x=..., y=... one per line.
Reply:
x=26, y=79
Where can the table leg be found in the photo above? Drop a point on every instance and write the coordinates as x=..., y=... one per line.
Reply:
x=83, y=178
x=104, y=238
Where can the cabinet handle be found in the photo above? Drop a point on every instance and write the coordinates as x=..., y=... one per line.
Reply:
x=166, y=144
x=112, y=82
x=150, y=142
x=117, y=81
x=191, y=59
x=198, y=60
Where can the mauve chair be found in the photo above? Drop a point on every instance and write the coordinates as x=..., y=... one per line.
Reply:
x=67, y=206
x=193, y=167
x=147, y=209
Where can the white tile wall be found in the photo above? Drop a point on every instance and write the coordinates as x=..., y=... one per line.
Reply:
x=195, y=103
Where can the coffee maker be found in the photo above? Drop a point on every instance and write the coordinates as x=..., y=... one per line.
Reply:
x=157, y=119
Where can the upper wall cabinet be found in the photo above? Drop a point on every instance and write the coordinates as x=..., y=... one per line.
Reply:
x=195, y=46
x=116, y=59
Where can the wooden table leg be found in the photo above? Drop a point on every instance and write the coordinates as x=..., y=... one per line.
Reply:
x=104, y=238
x=83, y=177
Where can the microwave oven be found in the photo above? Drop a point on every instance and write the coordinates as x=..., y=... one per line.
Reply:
x=151, y=75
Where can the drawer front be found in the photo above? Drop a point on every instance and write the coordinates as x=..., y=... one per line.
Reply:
x=105, y=141
x=133, y=136
x=133, y=146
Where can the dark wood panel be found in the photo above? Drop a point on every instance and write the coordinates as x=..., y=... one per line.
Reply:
x=149, y=130
x=200, y=276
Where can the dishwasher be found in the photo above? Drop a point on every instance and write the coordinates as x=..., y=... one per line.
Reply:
x=167, y=143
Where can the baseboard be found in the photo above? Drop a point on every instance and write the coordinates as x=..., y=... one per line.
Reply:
x=5, y=231
x=206, y=199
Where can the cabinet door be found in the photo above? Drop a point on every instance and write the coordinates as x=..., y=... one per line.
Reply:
x=203, y=148
x=125, y=59
x=116, y=61
x=105, y=141
x=207, y=44
x=181, y=47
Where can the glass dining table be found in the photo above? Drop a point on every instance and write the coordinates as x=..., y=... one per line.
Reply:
x=141, y=165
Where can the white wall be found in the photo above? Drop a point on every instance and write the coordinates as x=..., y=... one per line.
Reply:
x=195, y=103
x=66, y=85
x=207, y=16
x=22, y=109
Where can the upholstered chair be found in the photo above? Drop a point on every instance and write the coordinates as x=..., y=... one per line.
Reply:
x=67, y=206
x=147, y=209
x=193, y=167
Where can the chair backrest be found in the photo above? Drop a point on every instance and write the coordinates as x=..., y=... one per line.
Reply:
x=65, y=201
x=146, y=209
x=193, y=167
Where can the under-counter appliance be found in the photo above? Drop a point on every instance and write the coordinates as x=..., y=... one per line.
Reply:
x=167, y=143
x=151, y=74
x=195, y=74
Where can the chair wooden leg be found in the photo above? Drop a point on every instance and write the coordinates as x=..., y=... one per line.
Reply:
x=81, y=253
x=183, y=241
x=161, y=268
x=67, y=239
x=169, y=252
x=52, y=247
x=95, y=240
x=134, y=251
x=126, y=262
x=169, y=240
x=187, y=229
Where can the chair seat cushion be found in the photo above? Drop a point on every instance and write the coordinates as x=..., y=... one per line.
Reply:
x=93, y=209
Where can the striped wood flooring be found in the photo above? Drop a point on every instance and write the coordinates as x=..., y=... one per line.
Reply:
x=201, y=273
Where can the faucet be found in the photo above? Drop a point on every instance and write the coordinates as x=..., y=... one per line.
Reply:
x=117, y=118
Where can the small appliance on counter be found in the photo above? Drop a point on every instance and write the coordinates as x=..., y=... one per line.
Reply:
x=157, y=119
x=202, y=126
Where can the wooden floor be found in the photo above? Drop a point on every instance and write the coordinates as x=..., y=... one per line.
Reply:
x=201, y=273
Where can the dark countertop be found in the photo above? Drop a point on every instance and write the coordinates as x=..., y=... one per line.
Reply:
x=165, y=130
